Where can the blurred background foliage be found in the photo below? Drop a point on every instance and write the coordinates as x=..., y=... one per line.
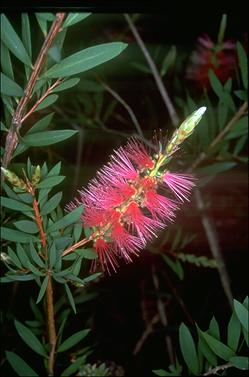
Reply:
x=178, y=270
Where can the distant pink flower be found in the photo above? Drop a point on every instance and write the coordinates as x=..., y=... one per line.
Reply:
x=126, y=205
x=208, y=55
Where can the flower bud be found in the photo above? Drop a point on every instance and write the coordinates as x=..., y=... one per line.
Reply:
x=14, y=179
x=36, y=176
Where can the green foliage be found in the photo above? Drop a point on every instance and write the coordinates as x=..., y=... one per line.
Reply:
x=86, y=59
x=209, y=346
x=72, y=340
x=19, y=365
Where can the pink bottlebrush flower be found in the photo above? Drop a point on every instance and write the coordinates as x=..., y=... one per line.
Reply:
x=208, y=55
x=105, y=254
x=125, y=205
x=180, y=184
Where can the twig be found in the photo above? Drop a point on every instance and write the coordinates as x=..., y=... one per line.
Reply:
x=218, y=368
x=166, y=99
x=49, y=90
x=214, y=246
x=242, y=110
x=126, y=106
x=77, y=245
x=12, y=137
x=146, y=333
x=163, y=316
x=51, y=326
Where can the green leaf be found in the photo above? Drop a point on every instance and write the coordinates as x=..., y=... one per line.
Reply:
x=30, y=339
x=6, y=62
x=49, y=100
x=37, y=313
x=242, y=314
x=42, y=289
x=15, y=204
x=207, y=352
x=51, y=204
x=161, y=372
x=215, y=84
x=13, y=42
x=241, y=94
x=51, y=181
x=26, y=226
x=168, y=61
x=53, y=255
x=88, y=253
x=73, y=18
x=175, y=266
x=22, y=255
x=218, y=347
x=74, y=367
x=66, y=85
x=35, y=256
x=33, y=269
x=41, y=125
x=14, y=258
x=72, y=340
x=77, y=230
x=243, y=64
x=86, y=59
x=233, y=332
x=70, y=298
x=19, y=365
x=214, y=329
x=216, y=168
x=91, y=277
x=69, y=219
x=42, y=23
x=16, y=236
x=9, y=87
x=188, y=349
x=240, y=128
x=40, y=139
x=21, y=277
x=26, y=35
x=240, y=362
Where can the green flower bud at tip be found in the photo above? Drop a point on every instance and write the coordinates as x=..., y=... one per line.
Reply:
x=191, y=122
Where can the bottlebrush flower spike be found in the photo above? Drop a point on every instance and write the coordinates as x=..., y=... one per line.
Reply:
x=128, y=203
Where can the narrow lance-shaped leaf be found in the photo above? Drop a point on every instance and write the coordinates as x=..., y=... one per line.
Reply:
x=26, y=226
x=243, y=64
x=74, y=18
x=51, y=204
x=242, y=314
x=188, y=349
x=218, y=347
x=12, y=41
x=69, y=219
x=233, y=332
x=49, y=100
x=10, y=87
x=15, y=205
x=42, y=289
x=16, y=236
x=40, y=139
x=19, y=365
x=6, y=62
x=86, y=59
x=70, y=297
x=30, y=339
x=72, y=340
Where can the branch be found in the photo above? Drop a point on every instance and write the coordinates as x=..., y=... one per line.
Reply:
x=51, y=326
x=77, y=245
x=49, y=90
x=163, y=316
x=242, y=110
x=166, y=99
x=217, y=369
x=12, y=137
x=126, y=106
x=214, y=246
